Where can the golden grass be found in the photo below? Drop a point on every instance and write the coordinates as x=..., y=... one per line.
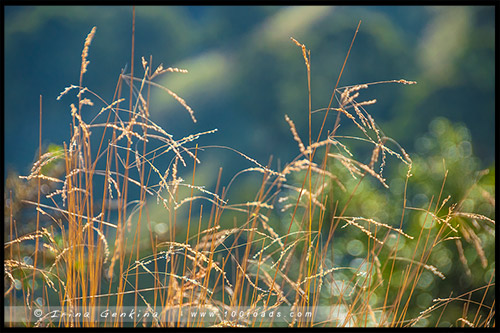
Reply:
x=96, y=256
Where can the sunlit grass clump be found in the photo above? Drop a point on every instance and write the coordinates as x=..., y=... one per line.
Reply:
x=326, y=240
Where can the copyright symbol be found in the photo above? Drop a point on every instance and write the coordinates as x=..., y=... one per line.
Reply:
x=38, y=313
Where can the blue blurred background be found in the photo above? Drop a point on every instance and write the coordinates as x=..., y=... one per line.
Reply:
x=245, y=74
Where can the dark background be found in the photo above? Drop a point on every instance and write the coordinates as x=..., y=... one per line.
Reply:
x=245, y=74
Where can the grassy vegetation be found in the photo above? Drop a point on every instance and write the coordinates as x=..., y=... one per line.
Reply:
x=326, y=234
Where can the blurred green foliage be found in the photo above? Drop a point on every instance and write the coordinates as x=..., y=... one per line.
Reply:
x=445, y=156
